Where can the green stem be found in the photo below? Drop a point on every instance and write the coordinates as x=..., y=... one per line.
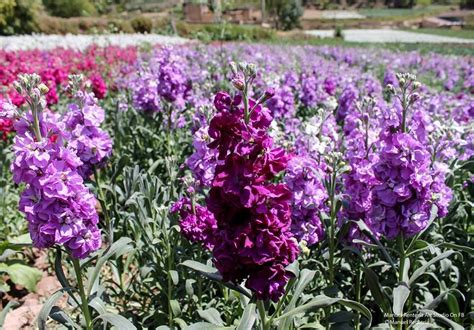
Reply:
x=82, y=293
x=280, y=303
x=263, y=315
x=401, y=243
x=332, y=229
x=404, y=110
x=357, y=294
x=36, y=126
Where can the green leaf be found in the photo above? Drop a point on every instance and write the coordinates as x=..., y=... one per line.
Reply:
x=123, y=161
x=211, y=315
x=212, y=274
x=47, y=306
x=98, y=305
x=175, y=307
x=206, y=326
x=189, y=287
x=341, y=317
x=442, y=318
x=118, y=248
x=316, y=302
x=354, y=305
x=3, y=314
x=306, y=276
x=420, y=271
x=118, y=321
x=23, y=275
x=61, y=317
x=21, y=241
x=400, y=296
x=379, y=296
x=463, y=248
x=248, y=318
x=423, y=326
x=406, y=269
x=453, y=306
x=433, y=304
x=174, y=276
x=58, y=269
x=366, y=230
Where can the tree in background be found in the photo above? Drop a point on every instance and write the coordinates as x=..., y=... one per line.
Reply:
x=286, y=13
x=18, y=16
x=467, y=4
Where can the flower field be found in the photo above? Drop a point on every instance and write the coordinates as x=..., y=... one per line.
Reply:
x=238, y=186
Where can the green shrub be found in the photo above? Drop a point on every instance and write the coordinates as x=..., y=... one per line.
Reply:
x=18, y=16
x=120, y=26
x=6, y=10
x=224, y=32
x=142, y=24
x=289, y=15
x=338, y=32
x=467, y=4
x=423, y=3
x=286, y=13
x=69, y=8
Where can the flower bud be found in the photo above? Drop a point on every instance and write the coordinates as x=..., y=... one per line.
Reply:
x=390, y=88
x=402, y=81
x=414, y=97
x=23, y=80
x=251, y=70
x=17, y=87
x=238, y=83
x=416, y=85
x=268, y=94
x=233, y=67
x=43, y=88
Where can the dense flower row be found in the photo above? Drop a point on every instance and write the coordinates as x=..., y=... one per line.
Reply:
x=264, y=170
x=54, y=67
x=338, y=103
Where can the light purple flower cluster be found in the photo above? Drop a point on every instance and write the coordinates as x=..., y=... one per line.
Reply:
x=145, y=93
x=407, y=188
x=203, y=161
x=162, y=82
x=347, y=102
x=393, y=186
x=303, y=178
x=59, y=208
x=282, y=104
x=91, y=143
x=57, y=204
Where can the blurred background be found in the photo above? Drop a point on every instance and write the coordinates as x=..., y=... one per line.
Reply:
x=308, y=21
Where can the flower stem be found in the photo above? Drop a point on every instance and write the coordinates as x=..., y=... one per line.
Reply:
x=332, y=229
x=357, y=293
x=82, y=293
x=404, y=110
x=263, y=317
x=401, y=243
